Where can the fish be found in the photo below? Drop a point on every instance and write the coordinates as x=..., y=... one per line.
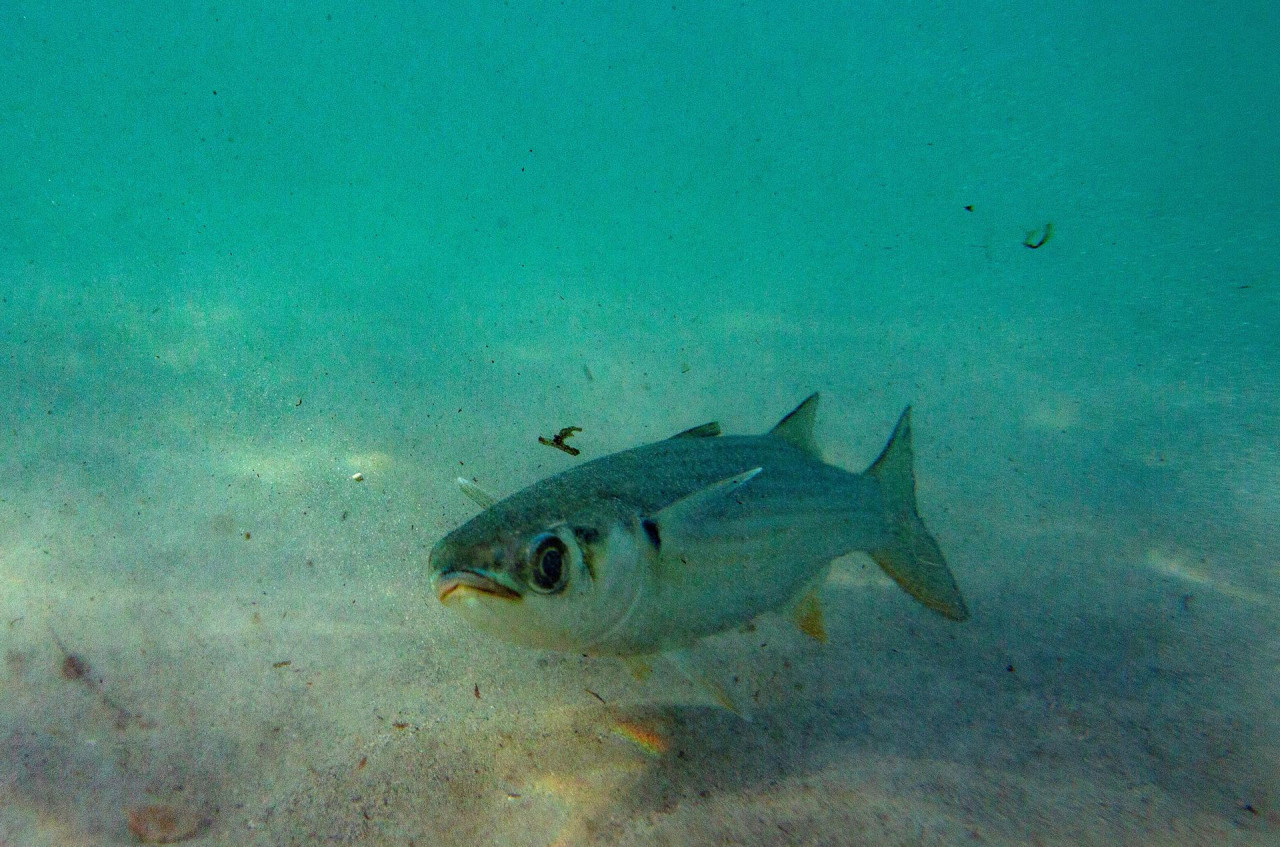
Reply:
x=647, y=551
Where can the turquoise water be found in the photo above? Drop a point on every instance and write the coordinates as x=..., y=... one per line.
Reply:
x=247, y=256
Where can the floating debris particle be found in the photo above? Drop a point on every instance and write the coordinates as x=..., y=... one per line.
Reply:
x=1031, y=240
x=74, y=667
x=557, y=440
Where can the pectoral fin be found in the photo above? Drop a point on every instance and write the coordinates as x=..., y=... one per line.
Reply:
x=476, y=494
x=639, y=667
x=806, y=614
x=682, y=517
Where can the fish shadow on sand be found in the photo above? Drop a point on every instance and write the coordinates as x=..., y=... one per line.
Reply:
x=992, y=726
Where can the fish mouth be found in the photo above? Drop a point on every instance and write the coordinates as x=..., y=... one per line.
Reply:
x=456, y=585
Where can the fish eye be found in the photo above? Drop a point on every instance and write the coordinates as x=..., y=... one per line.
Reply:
x=547, y=571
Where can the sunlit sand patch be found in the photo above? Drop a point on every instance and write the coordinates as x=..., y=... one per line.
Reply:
x=583, y=762
x=56, y=828
x=778, y=322
x=1253, y=479
x=293, y=464
x=535, y=354
x=1178, y=564
x=275, y=466
x=1055, y=413
x=854, y=574
x=374, y=460
x=187, y=335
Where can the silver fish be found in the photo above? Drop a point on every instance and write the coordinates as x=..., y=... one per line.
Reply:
x=648, y=550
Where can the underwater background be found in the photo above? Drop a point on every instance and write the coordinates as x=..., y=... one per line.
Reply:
x=250, y=254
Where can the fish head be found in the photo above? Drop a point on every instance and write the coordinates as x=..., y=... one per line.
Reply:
x=553, y=584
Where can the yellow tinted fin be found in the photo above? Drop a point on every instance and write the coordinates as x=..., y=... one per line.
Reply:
x=807, y=616
x=639, y=667
x=912, y=558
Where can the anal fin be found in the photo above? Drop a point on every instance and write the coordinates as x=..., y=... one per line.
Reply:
x=806, y=614
x=639, y=666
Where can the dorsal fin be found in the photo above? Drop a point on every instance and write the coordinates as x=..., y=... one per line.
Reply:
x=797, y=428
x=706, y=430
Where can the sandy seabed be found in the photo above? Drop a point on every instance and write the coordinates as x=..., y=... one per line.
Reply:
x=258, y=659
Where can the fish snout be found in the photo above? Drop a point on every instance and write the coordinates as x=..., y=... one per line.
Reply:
x=467, y=571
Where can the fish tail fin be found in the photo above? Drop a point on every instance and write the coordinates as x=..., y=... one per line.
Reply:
x=912, y=557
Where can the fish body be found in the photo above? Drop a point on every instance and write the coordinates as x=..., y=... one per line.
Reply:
x=651, y=549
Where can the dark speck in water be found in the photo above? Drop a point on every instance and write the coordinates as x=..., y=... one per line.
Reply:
x=74, y=667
